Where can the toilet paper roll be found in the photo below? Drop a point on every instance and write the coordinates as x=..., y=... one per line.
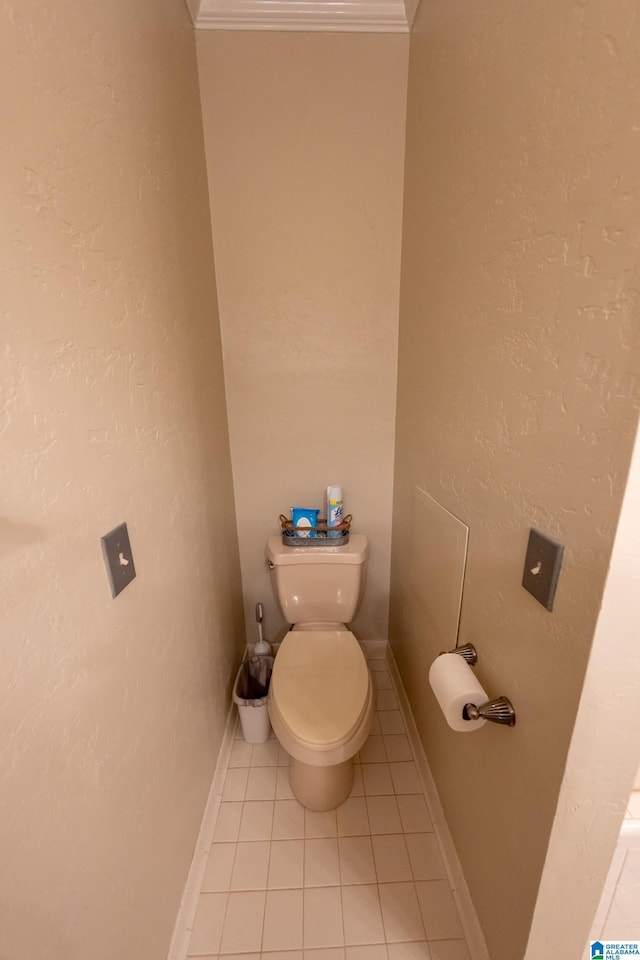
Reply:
x=454, y=684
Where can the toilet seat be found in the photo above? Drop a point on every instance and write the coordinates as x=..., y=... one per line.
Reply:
x=320, y=688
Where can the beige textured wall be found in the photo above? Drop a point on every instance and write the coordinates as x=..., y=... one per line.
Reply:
x=519, y=383
x=305, y=145
x=111, y=408
x=603, y=756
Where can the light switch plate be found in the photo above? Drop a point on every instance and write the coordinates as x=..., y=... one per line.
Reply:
x=542, y=567
x=118, y=558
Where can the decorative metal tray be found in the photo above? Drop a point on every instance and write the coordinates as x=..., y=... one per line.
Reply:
x=318, y=536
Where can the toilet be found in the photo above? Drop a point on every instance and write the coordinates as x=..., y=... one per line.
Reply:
x=321, y=699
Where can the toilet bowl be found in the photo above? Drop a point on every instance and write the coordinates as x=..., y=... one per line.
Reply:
x=321, y=707
x=321, y=699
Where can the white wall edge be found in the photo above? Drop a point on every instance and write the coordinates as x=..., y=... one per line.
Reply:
x=303, y=26
x=189, y=904
x=468, y=916
x=373, y=16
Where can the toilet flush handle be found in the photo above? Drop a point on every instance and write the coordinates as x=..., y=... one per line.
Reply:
x=269, y=563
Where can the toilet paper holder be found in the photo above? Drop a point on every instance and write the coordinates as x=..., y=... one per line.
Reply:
x=499, y=710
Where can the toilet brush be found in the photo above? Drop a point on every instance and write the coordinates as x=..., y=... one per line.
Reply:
x=262, y=646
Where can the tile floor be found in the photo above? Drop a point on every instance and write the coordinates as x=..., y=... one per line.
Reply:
x=363, y=882
x=618, y=915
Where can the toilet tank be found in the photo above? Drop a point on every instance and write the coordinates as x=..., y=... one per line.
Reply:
x=318, y=584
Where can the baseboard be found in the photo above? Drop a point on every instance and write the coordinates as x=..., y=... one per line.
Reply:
x=468, y=917
x=374, y=649
x=179, y=946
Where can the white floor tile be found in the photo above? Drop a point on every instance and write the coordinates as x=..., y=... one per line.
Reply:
x=384, y=816
x=619, y=930
x=242, y=929
x=236, y=956
x=283, y=787
x=265, y=754
x=257, y=820
x=401, y=912
x=283, y=920
x=323, y=917
x=325, y=953
x=235, y=784
x=405, y=777
x=377, y=779
x=391, y=721
x=415, y=950
x=217, y=875
x=448, y=950
x=288, y=820
x=352, y=817
x=425, y=857
x=414, y=814
x=240, y=754
x=372, y=951
x=207, y=925
x=386, y=700
x=438, y=910
x=373, y=751
x=251, y=866
x=375, y=726
x=286, y=864
x=391, y=858
x=377, y=664
x=357, y=790
x=625, y=905
x=227, y=825
x=320, y=824
x=382, y=680
x=356, y=860
x=630, y=870
x=362, y=915
x=321, y=866
x=397, y=747
x=280, y=955
x=261, y=783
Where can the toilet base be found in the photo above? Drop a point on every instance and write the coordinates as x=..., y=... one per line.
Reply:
x=320, y=788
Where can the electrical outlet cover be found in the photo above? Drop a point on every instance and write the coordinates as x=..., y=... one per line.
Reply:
x=118, y=558
x=542, y=567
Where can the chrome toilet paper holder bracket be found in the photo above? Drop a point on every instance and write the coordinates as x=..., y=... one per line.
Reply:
x=499, y=710
x=468, y=652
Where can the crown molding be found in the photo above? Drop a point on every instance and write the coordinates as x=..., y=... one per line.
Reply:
x=368, y=16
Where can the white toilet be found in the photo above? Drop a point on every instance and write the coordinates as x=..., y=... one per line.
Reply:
x=321, y=700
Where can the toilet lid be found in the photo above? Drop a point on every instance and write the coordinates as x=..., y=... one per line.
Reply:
x=320, y=682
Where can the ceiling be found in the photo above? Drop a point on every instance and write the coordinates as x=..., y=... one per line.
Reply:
x=368, y=16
